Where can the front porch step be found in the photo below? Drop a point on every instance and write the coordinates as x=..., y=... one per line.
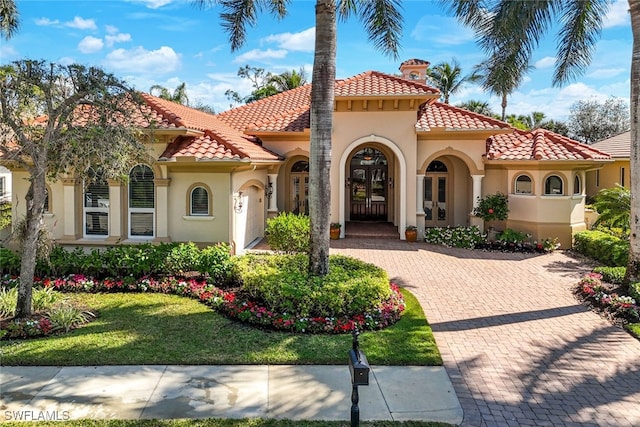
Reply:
x=371, y=230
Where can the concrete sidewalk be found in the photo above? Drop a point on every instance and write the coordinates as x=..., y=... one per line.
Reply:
x=166, y=392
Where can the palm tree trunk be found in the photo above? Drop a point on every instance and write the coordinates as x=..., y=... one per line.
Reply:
x=633, y=267
x=322, y=100
x=504, y=106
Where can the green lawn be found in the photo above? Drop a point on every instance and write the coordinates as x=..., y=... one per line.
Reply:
x=634, y=328
x=225, y=423
x=139, y=328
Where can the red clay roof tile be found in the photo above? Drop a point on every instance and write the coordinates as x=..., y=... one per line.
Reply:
x=539, y=144
x=440, y=115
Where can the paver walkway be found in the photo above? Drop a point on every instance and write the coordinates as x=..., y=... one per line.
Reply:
x=519, y=348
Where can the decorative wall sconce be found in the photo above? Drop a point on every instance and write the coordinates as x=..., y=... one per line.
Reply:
x=268, y=191
x=237, y=202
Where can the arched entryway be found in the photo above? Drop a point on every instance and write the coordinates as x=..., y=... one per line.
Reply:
x=369, y=189
x=298, y=186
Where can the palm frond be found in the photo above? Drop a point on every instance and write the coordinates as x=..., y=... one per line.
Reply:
x=383, y=22
x=581, y=29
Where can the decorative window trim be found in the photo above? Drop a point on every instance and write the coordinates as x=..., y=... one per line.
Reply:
x=577, y=179
x=562, y=183
x=198, y=217
x=515, y=185
x=189, y=206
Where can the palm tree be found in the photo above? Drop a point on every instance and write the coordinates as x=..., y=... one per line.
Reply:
x=509, y=31
x=500, y=79
x=383, y=22
x=448, y=78
x=534, y=120
x=288, y=80
x=480, y=107
x=9, y=18
x=179, y=95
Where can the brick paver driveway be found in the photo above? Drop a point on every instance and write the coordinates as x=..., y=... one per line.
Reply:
x=519, y=348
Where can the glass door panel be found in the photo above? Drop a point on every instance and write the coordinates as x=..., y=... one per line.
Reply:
x=299, y=194
x=435, y=200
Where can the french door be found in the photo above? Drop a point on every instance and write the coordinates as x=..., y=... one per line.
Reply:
x=368, y=192
x=436, y=209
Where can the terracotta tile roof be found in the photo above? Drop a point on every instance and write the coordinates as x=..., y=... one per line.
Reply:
x=247, y=116
x=218, y=133
x=289, y=111
x=619, y=146
x=202, y=147
x=440, y=115
x=415, y=61
x=539, y=144
x=376, y=84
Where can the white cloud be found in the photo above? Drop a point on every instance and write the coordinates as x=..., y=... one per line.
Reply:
x=43, y=22
x=90, y=44
x=140, y=60
x=82, y=24
x=259, y=55
x=117, y=38
x=153, y=4
x=546, y=62
x=606, y=73
x=618, y=14
x=430, y=29
x=7, y=52
x=66, y=60
x=303, y=41
x=111, y=29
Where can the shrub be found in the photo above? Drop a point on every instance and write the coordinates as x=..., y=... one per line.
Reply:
x=289, y=233
x=43, y=299
x=513, y=236
x=611, y=274
x=457, y=237
x=5, y=214
x=183, y=258
x=282, y=284
x=602, y=247
x=492, y=207
x=65, y=317
x=8, y=301
x=10, y=263
x=215, y=261
x=634, y=291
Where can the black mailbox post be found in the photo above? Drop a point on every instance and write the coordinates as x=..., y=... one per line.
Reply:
x=359, y=368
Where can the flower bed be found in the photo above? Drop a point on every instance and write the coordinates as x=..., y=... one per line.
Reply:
x=618, y=308
x=233, y=304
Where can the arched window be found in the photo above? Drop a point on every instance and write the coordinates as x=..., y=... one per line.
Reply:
x=199, y=200
x=577, y=188
x=437, y=166
x=141, y=202
x=553, y=186
x=523, y=185
x=96, y=204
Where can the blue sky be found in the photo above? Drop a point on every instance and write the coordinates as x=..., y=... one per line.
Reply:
x=166, y=42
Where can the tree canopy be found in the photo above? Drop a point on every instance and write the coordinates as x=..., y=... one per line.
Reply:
x=591, y=120
x=58, y=121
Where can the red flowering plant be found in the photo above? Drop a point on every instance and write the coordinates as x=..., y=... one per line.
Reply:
x=493, y=207
x=621, y=307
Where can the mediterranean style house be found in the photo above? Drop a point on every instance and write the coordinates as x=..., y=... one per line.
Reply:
x=615, y=173
x=398, y=156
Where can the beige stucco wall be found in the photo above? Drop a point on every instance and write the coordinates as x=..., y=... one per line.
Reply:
x=610, y=175
x=199, y=229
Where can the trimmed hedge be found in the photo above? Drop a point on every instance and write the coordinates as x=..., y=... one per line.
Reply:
x=289, y=233
x=129, y=261
x=282, y=284
x=602, y=247
x=612, y=274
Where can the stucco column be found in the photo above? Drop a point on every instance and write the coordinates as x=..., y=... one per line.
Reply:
x=477, y=193
x=69, y=217
x=115, y=210
x=162, y=208
x=419, y=194
x=272, y=179
x=477, y=189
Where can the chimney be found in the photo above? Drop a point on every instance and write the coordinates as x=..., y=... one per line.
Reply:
x=415, y=69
